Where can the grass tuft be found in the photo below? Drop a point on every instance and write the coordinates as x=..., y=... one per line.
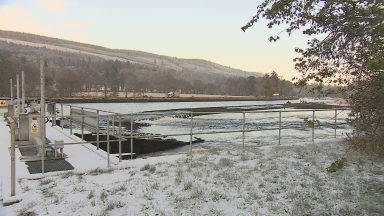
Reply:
x=148, y=168
x=225, y=162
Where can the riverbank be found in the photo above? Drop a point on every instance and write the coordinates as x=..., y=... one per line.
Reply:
x=280, y=180
x=160, y=99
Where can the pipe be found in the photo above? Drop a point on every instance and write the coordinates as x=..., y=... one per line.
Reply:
x=42, y=100
x=18, y=93
x=11, y=85
x=22, y=92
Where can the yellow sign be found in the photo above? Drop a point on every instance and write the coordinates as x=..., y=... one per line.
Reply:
x=2, y=103
x=34, y=127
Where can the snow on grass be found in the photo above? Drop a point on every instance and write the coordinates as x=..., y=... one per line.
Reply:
x=281, y=180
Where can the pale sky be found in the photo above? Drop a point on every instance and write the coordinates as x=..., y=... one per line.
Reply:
x=205, y=29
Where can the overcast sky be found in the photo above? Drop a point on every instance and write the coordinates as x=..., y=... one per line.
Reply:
x=206, y=29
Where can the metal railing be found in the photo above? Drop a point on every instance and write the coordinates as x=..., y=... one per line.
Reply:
x=111, y=117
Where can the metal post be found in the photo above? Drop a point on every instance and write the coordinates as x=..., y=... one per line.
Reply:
x=243, y=129
x=54, y=117
x=42, y=151
x=120, y=158
x=22, y=92
x=313, y=125
x=62, y=117
x=335, y=121
x=82, y=123
x=131, y=136
x=190, y=133
x=98, y=130
x=279, y=127
x=70, y=120
x=108, y=141
x=42, y=101
x=11, y=85
x=13, y=158
x=18, y=93
x=113, y=125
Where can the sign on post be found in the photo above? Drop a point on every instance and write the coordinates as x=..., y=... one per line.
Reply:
x=34, y=126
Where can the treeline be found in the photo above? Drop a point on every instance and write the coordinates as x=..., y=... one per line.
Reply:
x=68, y=75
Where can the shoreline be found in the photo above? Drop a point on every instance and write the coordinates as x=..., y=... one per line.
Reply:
x=153, y=99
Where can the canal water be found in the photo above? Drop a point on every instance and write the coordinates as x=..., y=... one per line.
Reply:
x=299, y=131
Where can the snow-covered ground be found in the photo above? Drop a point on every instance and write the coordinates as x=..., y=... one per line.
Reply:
x=279, y=180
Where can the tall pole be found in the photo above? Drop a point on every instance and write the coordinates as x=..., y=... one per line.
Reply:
x=22, y=92
x=13, y=158
x=18, y=93
x=11, y=85
x=42, y=100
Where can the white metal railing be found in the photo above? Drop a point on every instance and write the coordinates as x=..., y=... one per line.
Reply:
x=112, y=116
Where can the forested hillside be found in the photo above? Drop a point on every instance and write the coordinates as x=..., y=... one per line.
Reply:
x=74, y=67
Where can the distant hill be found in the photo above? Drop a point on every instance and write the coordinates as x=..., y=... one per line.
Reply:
x=193, y=69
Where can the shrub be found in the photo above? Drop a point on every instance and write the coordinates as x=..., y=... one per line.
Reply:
x=337, y=165
x=225, y=162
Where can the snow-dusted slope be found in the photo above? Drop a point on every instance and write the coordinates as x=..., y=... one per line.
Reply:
x=138, y=57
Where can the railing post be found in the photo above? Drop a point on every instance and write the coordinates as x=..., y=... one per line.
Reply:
x=82, y=123
x=108, y=141
x=62, y=117
x=70, y=120
x=279, y=127
x=113, y=125
x=98, y=129
x=120, y=158
x=313, y=125
x=13, y=158
x=335, y=121
x=243, y=130
x=131, y=136
x=191, y=133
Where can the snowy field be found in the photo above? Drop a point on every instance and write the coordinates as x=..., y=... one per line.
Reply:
x=280, y=180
